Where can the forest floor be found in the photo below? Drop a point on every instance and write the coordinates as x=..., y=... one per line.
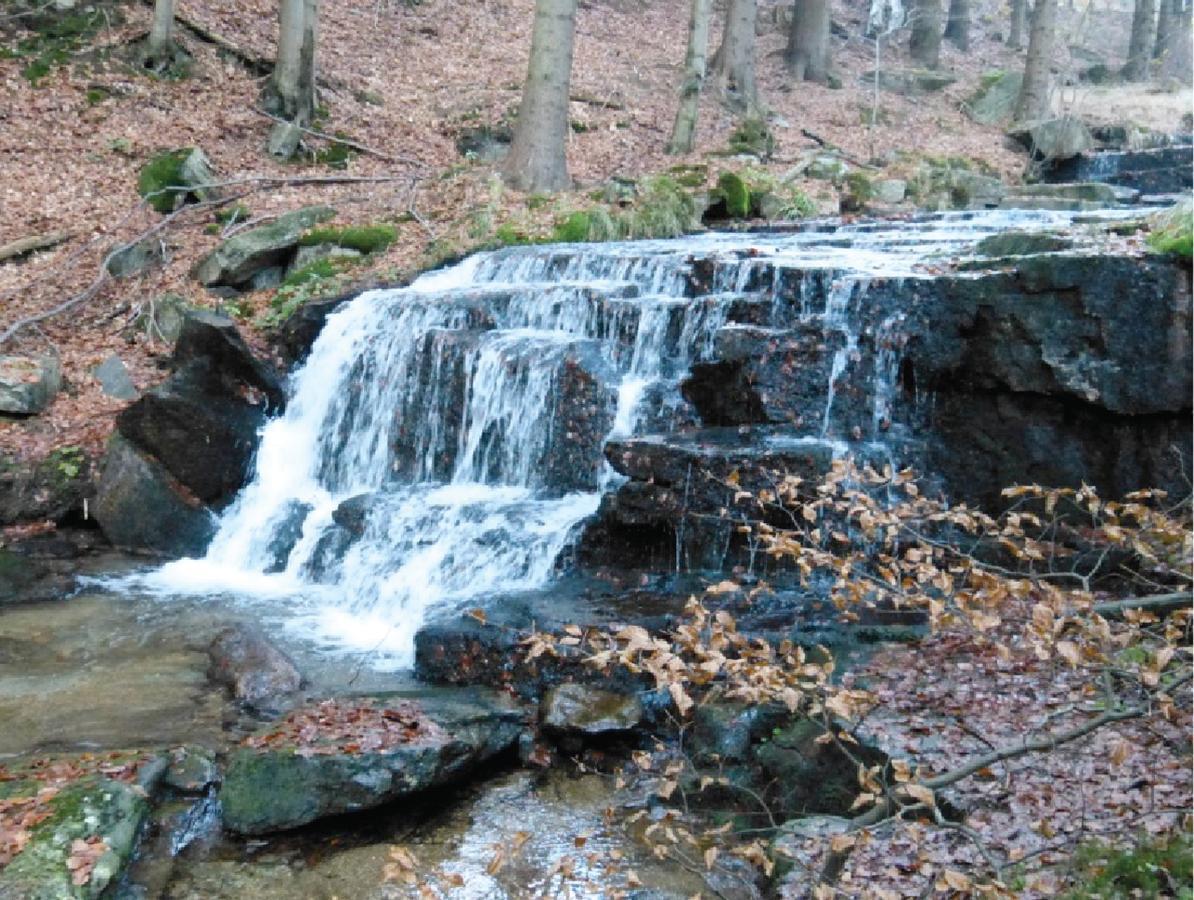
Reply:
x=404, y=79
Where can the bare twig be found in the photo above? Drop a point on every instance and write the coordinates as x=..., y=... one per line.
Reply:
x=347, y=142
x=26, y=245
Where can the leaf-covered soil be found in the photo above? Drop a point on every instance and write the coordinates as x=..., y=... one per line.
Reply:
x=403, y=80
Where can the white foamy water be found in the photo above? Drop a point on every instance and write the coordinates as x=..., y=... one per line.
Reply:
x=433, y=452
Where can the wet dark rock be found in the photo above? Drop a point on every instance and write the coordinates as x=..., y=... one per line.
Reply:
x=275, y=789
x=214, y=339
x=18, y=575
x=191, y=770
x=141, y=506
x=298, y=332
x=53, y=487
x=259, y=674
x=1160, y=170
x=1021, y=243
x=581, y=710
x=287, y=534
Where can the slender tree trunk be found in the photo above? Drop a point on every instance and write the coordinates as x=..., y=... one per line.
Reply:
x=537, y=160
x=925, y=44
x=734, y=62
x=957, y=26
x=291, y=89
x=1015, y=37
x=1165, y=22
x=1175, y=46
x=160, y=46
x=1141, y=43
x=807, y=56
x=1033, y=102
x=684, y=131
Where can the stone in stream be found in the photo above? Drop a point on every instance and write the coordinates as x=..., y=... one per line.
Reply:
x=389, y=747
x=236, y=261
x=585, y=711
x=259, y=674
x=53, y=487
x=28, y=383
x=91, y=818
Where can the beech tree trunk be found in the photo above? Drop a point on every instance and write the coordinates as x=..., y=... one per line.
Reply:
x=925, y=44
x=160, y=45
x=1033, y=102
x=291, y=89
x=1175, y=40
x=957, y=26
x=684, y=131
x=537, y=160
x=807, y=55
x=734, y=62
x=1015, y=37
x=1140, y=46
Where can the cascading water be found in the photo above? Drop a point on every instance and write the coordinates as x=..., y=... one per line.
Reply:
x=443, y=441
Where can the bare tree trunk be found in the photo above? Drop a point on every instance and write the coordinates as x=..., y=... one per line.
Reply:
x=734, y=62
x=1015, y=37
x=807, y=55
x=1175, y=45
x=160, y=46
x=1033, y=102
x=1165, y=22
x=1141, y=43
x=684, y=131
x=537, y=160
x=291, y=89
x=957, y=26
x=925, y=44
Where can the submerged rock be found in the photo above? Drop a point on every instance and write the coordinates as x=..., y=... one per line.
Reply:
x=581, y=710
x=258, y=673
x=438, y=737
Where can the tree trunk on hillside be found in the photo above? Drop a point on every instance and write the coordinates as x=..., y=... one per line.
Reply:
x=684, y=131
x=957, y=27
x=925, y=44
x=291, y=89
x=1175, y=40
x=1140, y=45
x=807, y=55
x=537, y=160
x=159, y=48
x=1015, y=37
x=734, y=62
x=1033, y=102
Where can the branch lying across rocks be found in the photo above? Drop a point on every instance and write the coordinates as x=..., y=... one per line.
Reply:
x=31, y=244
x=347, y=142
x=1155, y=603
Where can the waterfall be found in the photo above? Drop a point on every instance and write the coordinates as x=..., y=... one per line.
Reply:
x=443, y=442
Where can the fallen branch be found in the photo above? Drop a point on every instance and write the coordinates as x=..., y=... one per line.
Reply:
x=1162, y=603
x=26, y=245
x=258, y=65
x=821, y=142
x=591, y=100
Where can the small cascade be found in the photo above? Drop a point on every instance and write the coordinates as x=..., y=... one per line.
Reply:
x=443, y=442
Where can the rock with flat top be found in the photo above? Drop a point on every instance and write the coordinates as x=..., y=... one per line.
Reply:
x=28, y=383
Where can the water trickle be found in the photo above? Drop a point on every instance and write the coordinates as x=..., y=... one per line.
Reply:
x=443, y=442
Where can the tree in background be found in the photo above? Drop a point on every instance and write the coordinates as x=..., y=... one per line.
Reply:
x=160, y=45
x=1015, y=37
x=807, y=54
x=1033, y=102
x=1140, y=45
x=925, y=44
x=957, y=25
x=1175, y=39
x=290, y=93
x=684, y=131
x=537, y=160
x=734, y=62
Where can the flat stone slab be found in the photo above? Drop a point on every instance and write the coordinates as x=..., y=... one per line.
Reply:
x=357, y=753
x=28, y=383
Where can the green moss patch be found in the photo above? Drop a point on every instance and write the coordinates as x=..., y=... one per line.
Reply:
x=1173, y=231
x=162, y=180
x=1155, y=867
x=362, y=238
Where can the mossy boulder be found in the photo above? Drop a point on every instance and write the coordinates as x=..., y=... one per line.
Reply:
x=176, y=177
x=910, y=82
x=1173, y=231
x=363, y=239
x=732, y=189
x=106, y=815
x=995, y=98
x=236, y=261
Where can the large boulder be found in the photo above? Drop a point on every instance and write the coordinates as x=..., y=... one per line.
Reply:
x=236, y=261
x=28, y=383
x=580, y=710
x=359, y=753
x=141, y=506
x=193, y=437
x=1055, y=139
x=53, y=487
x=995, y=99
